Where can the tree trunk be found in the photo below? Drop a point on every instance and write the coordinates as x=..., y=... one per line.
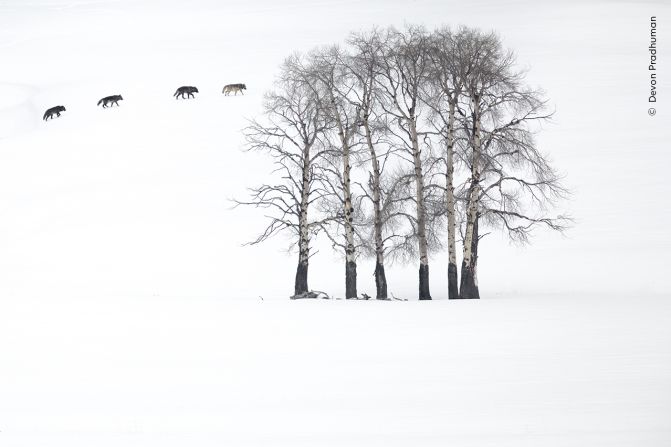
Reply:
x=469, y=272
x=424, y=282
x=301, y=282
x=474, y=254
x=380, y=282
x=452, y=281
x=469, y=284
x=452, y=289
x=350, y=280
x=350, y=255
x=380, y=277
x=424, y=293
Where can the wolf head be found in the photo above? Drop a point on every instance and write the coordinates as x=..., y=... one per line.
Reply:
x=244, y=87
x=119, y=97
x=60, y=108
x=194, y=89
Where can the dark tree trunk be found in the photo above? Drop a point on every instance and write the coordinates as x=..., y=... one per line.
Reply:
x=452, y=289
x=452, y=279
x=469, y=288
x=469, y=279
x=301, y=284
x=380, y=282
x=350, y=280
x=380, y=276
x=424, y=293
x=474, y=244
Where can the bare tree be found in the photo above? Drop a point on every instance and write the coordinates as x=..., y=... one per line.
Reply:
x=402, y=72
x=327, y=74
x=511, y=181
x=362, y=67
x=443, y=96
x=291, y=135
x=483, y=53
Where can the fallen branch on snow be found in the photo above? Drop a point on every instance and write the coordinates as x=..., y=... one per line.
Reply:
x=310, y=294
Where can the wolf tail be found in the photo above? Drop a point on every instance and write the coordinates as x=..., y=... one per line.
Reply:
x=100, y=102
x=176, y=93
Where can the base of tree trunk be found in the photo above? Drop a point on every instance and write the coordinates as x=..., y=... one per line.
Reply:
x=452, y=282
x=301, y=283
x=469, y=289
x=350, y=280
x=424, y=293
x=380, y=282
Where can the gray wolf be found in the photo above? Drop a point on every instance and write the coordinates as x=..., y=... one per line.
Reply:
x=189, y=91
x=114, y=99
x=54, y=110
x=234, y=88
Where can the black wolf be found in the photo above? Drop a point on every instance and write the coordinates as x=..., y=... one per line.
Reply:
x=114, y=99
x=54, y=110
x=234, y=88
x=189, y=91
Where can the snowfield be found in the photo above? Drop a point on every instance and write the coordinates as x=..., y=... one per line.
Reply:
x=531, y=371
x=130, y=314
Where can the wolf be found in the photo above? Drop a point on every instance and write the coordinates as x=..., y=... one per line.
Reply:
x=189, y=91
x=234, y=88
x=114, y=99
x=54, y=110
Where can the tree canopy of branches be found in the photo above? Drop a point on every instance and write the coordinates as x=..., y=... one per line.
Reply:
x=398, y=140
x=291, y=134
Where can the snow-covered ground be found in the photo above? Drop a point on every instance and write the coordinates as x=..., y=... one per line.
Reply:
x=129, y=312
x=574, y=371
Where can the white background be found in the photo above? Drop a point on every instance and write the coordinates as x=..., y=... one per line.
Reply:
x=129, y=312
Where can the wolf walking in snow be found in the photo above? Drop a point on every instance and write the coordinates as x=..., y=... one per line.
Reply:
x=114, y=99
x=189, y=91
x=54, y=110
x=234, y=88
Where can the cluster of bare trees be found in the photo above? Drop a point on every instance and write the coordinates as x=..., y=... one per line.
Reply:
x=400, y=143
